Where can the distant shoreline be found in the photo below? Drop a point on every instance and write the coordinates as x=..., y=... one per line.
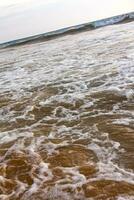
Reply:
x=125, y=18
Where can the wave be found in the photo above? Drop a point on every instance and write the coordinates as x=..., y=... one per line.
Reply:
x=73, y=29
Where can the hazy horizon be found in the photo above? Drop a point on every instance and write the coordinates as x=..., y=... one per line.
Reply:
x=29, y=17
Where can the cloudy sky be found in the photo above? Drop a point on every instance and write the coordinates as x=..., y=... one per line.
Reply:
x=23, y=18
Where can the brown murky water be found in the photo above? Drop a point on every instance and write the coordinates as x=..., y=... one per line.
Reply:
x=67, y=117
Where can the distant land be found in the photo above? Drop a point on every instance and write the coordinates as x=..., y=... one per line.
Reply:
x=124, y=18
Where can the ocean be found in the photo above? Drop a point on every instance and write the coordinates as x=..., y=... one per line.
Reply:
x=67, y=117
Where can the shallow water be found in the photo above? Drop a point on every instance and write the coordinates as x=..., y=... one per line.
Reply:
x=67, y=117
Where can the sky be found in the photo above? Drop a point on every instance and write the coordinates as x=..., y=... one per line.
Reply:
x=24, y=18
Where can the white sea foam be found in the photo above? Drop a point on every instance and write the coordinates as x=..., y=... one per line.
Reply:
x=125, y=198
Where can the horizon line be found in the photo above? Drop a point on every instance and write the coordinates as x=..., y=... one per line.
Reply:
x=59, y=32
